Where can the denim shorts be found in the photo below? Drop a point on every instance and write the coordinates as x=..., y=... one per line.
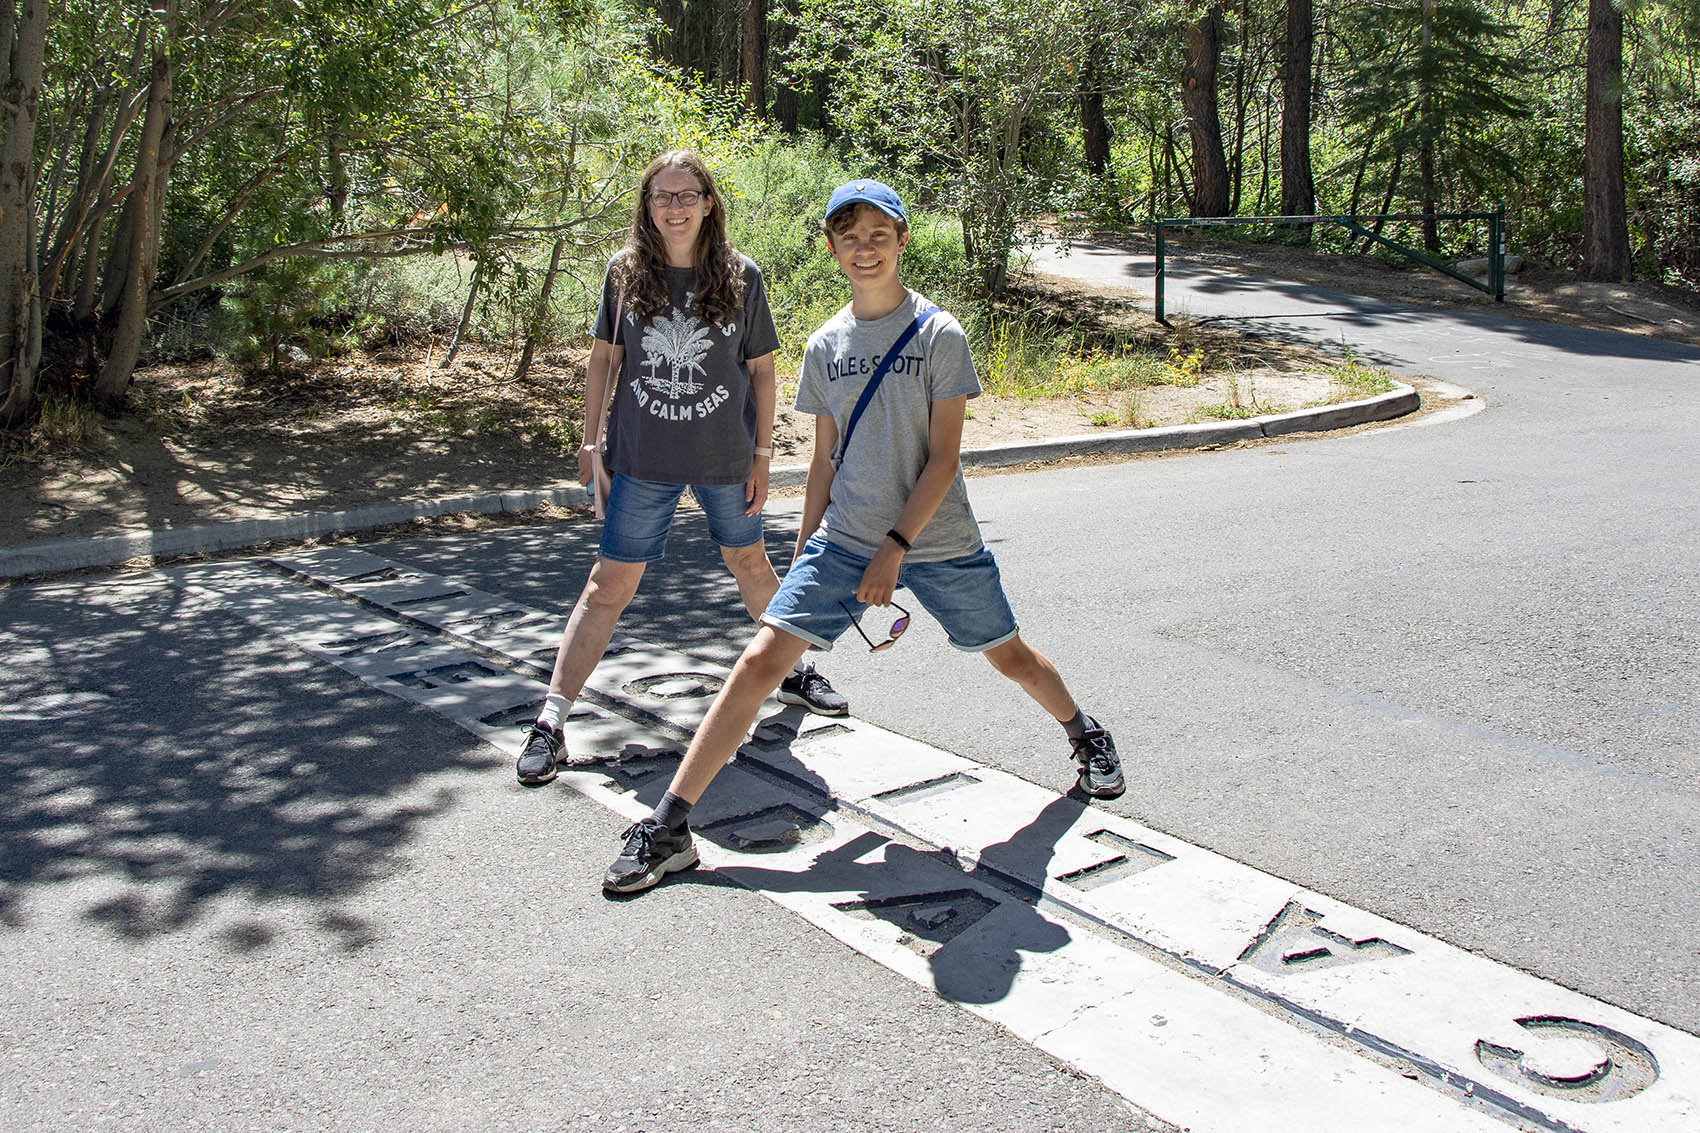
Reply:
x=640, y=513
x=964, y=595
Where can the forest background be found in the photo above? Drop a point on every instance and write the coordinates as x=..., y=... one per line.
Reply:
x=274, y=184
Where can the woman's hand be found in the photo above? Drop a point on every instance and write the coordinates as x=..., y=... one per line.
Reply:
x=755, y=488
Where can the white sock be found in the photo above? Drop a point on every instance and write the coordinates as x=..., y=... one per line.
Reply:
x=799, y=668
x=554, y=711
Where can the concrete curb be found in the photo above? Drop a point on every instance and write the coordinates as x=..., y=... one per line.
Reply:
x=111, y=550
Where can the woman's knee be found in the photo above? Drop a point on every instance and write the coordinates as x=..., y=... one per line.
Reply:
x=612, y=585
x=747, y=562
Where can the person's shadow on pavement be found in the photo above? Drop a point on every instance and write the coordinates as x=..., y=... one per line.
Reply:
x=973, y=936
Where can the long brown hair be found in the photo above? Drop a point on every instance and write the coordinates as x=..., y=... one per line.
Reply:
x=640, y=268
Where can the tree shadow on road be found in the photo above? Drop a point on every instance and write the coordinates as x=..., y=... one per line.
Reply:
x=197, y=759
x=1314, y=307
x=688, y=601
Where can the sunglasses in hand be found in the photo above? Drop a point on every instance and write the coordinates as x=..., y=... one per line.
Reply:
x=895, y=632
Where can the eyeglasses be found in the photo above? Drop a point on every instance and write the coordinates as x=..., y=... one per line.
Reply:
x=661, y=198
x=895, y=632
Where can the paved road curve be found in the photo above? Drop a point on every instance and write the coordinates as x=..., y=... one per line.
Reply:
x=1446, y=673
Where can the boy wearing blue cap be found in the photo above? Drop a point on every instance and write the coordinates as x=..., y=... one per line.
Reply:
x=888, y=379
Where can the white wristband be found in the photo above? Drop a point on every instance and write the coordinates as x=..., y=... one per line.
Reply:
x=764, y=450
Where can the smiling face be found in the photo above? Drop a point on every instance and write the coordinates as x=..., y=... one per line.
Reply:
x=680, y=225
x=867, y=249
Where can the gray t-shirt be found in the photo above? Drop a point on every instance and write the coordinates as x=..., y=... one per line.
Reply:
x=890, y=445
x=683, y=411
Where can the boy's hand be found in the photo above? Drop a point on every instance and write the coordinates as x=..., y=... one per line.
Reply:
x=755, y=488
x=879, y=581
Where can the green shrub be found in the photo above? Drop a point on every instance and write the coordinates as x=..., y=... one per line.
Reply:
x=776, y=192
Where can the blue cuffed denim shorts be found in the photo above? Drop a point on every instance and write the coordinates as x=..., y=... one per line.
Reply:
x=640, y=513
x=964, y=595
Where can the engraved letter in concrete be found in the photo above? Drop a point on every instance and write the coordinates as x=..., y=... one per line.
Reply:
x=1295, y=941
x=1582, y=1062
x=928, y=920
x=458, y=673
x=927, y=789
x=1136, y=857
x=774, y=829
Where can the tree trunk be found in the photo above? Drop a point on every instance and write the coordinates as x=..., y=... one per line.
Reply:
x=1605, y=225
x=1241, y=103
x=823, y=106
x=337, y=185
x=1198, y=96
x=1431, y=193
x=537, y=315
x=694, y=43
x=784, y=89
x=755, y=57
x=1386, y=201
x=465, y=316
x=664, y=33
x=1298, y=187
x=66, y=244
x=25, y=38
x=88, y=279
x=728, y=41
x=1094, y=127
x=144, y=210
x=1425, y=142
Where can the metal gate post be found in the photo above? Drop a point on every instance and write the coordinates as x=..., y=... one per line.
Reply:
x=1160, y=317
x=1496, y=253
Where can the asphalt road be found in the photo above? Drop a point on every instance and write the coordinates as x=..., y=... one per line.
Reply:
x=1442, y=673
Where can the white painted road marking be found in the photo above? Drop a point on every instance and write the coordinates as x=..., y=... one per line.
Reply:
x=1206, y=991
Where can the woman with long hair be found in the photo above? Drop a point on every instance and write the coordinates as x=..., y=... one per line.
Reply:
x=680, y=393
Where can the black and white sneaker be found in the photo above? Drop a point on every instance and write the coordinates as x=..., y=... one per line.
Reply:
x=811, y=690
x=1100, y=766
x=536, y=764
x=653, y=850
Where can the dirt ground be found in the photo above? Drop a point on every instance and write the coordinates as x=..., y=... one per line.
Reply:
x=207, y=444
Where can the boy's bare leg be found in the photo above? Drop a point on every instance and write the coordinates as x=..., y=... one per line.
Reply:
x=1033, y=671
x=662, y=843
x=1094, y=750
x=764, y=663
x=757, y=585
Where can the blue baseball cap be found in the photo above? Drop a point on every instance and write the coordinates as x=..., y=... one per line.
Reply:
x=882, y=197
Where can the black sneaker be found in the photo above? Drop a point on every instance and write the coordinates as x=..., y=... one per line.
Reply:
x=652, y=850
x=536, y=764
x=811, y=690
x=1100, y=766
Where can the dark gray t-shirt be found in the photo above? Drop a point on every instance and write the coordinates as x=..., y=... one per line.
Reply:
x=683, y=411
x=890, y=446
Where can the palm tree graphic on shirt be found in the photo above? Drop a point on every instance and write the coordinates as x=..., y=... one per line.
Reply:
x=681, y=343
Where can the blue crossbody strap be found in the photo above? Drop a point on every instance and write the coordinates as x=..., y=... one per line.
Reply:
x=915, y=324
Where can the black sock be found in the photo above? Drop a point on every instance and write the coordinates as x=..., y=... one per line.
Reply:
x=1080, y=725
x=672, y=811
